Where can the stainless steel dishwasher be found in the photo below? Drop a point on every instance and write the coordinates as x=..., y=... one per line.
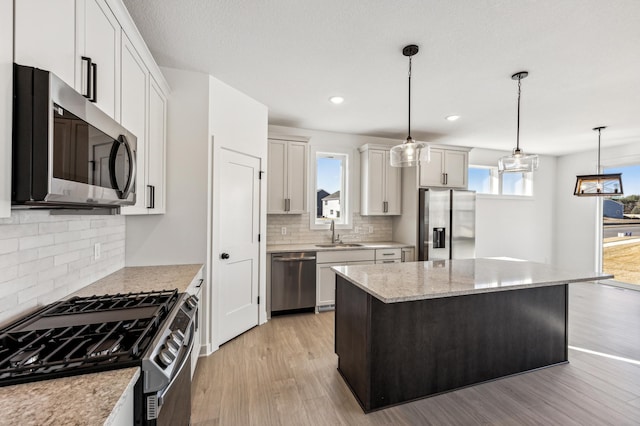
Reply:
x=293, y=281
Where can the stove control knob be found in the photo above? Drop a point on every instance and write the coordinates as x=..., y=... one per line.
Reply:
x=192, y=302
x=176, y=338
x=166, y=357
x=173, y=346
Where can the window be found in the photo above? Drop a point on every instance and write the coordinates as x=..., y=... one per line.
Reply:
x=487, y=180
x=330, y=187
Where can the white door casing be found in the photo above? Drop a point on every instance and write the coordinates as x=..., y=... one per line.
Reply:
x=239, y=226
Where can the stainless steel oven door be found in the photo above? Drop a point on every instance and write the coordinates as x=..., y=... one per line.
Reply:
x=172, y=405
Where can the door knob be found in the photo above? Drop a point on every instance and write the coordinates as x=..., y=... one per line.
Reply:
x=224, y=256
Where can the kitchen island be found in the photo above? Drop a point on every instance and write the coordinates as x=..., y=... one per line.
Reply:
x=410, y=330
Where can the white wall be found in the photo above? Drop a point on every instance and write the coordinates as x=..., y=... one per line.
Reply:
x=519, y=227
x=578, y=239
x=6, y=92
x=44, y=258
x=179, y=236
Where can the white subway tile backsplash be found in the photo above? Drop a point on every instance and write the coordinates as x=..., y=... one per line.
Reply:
x=298, y=231
x=8, y=246
x=66, y=257
x=35, y=266
x=36, y=241
x=45, y=257
x=53, y=227
x=18, y=230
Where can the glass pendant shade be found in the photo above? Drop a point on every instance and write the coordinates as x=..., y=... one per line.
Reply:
x=409, y=153
x=598, y=185
x=518, y=162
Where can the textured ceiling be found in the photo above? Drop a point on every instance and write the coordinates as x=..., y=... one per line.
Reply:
x=583, y=58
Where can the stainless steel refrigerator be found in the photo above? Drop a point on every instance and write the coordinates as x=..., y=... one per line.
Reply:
x=447, y=224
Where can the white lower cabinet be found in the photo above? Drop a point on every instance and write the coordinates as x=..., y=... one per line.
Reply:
x=326, y=278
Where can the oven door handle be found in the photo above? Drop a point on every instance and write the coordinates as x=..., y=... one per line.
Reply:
x=183, y=363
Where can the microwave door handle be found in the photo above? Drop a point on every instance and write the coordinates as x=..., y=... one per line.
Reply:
x=113, y=156
x=131, y=179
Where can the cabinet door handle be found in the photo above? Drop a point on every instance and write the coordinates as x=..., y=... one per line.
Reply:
x=446, y=178
x=94, y=95
x=88, y=88
x=152, y=197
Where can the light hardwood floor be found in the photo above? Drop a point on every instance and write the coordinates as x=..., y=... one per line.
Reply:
x=284, y=373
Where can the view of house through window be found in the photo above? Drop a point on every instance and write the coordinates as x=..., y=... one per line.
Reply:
x=487, y=180
x=330, y=187
x=621, y=228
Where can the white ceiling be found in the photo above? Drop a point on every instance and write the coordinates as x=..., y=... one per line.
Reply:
x=583, y=58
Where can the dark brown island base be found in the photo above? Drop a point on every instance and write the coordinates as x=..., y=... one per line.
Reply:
x=406, y=331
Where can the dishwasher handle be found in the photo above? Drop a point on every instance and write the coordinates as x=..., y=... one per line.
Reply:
x=293, y=259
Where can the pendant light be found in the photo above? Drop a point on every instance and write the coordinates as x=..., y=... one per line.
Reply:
x=598, y=185
x=518, y=161
x=409, y=153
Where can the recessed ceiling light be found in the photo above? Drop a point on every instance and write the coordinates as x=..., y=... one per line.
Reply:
x=452, y=117
x=336, y=100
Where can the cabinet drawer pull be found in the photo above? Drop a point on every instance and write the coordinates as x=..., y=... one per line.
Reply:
x=200, y=283
x=387, y=254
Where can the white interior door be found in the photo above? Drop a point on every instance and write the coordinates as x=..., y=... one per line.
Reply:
x=239, y=247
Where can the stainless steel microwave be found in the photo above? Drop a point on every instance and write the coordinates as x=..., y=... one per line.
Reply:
x=66, y=151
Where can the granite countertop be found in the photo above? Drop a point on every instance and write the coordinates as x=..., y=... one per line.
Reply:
x=89, y=399
x=143, y=278
x=400, y=282
x=279, y=248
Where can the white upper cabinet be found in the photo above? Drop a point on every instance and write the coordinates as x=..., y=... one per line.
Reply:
x=380, y=183
x=448, y=168
x=156, y=149
x=287, y=177
x=133, y=116
x=45, y=36
x=98, y=49
x=6, y=104
x=94, y=46
x=57, y=35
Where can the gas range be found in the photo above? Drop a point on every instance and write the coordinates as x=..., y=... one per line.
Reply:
x=151, y=330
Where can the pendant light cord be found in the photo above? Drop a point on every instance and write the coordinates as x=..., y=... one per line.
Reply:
x=518, y=122
x=409, y=127
x=598, y=171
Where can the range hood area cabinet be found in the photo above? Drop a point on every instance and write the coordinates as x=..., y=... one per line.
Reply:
x=287, y=175
x=98, y=51
x=448, y=168
x=85, y=51
x=380, y=183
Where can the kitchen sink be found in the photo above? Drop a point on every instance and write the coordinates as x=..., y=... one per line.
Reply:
x=339, y=245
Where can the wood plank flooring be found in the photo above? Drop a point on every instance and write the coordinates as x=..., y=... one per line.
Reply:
x=284, y=373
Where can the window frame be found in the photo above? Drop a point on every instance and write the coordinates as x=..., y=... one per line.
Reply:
x=497, y=184
x=345, y=219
